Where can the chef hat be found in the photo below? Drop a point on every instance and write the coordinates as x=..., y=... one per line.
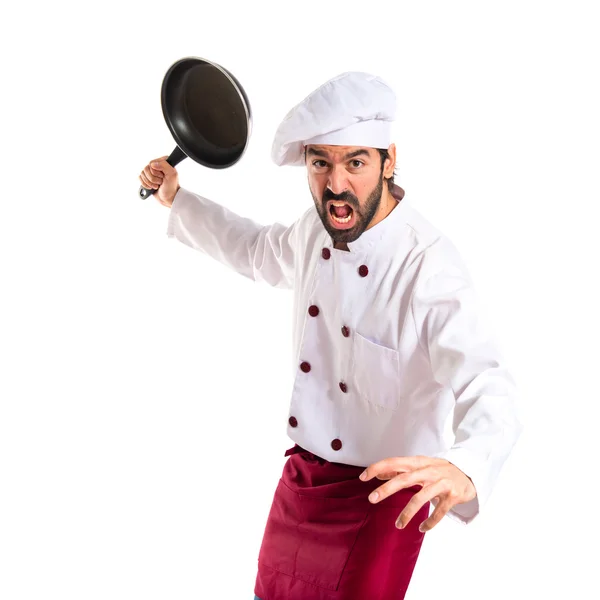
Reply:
x=352, y=109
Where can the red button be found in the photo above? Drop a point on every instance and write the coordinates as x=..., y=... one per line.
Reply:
x=325, y=253
x=313, y=311
x=343, y=387
x=363, y=271
x=336, y=444
x=293, y=422
x=305, y=367
x=345, y=331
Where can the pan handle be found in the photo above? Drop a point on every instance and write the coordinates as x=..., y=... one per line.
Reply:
x=174, y=159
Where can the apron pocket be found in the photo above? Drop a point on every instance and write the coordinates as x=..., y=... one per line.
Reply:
x=310, y=538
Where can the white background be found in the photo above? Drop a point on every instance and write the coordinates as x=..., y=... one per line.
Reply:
x=144, y=388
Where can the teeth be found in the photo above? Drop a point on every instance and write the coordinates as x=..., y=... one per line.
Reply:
x=344, y=220
x=338, y=219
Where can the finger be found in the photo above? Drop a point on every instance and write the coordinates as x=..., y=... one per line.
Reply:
x=155, y=172
x=163, y=166
x=387, y=465
x=438, y=514
x=156, y=179
x=438, y=488
x=147, y=183
x=387, y=475
x=400, y=482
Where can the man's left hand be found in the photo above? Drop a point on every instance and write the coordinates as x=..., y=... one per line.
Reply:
x=439, y=479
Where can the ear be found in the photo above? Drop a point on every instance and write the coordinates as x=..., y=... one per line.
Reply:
x=390, y=163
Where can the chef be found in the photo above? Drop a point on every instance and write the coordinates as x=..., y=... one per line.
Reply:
x=401, y=400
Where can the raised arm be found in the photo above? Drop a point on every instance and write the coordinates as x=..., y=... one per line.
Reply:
x=261, y=253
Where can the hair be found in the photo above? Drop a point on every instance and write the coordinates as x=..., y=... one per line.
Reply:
x=384, y=154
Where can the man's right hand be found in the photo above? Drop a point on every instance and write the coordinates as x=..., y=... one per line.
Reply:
x=161, y=176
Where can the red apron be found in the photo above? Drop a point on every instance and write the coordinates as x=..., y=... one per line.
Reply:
x=325, y=541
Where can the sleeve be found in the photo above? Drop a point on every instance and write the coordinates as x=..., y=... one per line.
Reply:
x=261, y=253
x=464, y=358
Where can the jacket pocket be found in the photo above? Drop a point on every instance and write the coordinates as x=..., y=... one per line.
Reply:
x=376, y=372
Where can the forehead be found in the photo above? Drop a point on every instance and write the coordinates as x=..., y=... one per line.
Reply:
x=339, y=152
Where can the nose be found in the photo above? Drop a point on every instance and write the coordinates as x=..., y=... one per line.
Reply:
x=337, y=182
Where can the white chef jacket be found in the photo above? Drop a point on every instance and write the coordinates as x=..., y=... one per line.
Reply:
x=391, y=357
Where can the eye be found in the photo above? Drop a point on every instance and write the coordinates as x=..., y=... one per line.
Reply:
x=356, y=164
x=320, y=164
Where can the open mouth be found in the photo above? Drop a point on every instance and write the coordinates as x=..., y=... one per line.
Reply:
x=342, y=214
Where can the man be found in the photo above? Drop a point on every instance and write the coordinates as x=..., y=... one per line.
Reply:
x=394, y=370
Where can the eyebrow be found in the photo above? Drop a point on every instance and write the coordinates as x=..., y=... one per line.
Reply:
x=323, y=154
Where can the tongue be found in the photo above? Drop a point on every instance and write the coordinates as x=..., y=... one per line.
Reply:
x=341, y=211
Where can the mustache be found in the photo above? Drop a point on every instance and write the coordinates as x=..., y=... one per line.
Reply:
x=351, y=199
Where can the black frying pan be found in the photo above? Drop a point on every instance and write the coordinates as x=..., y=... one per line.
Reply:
x=208, y=113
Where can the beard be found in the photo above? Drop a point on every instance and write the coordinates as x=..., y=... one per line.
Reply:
x=363, y=214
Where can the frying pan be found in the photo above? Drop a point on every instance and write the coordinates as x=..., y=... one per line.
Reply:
x=207, y=112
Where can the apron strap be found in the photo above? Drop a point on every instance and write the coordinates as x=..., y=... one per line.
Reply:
x=308, y=456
